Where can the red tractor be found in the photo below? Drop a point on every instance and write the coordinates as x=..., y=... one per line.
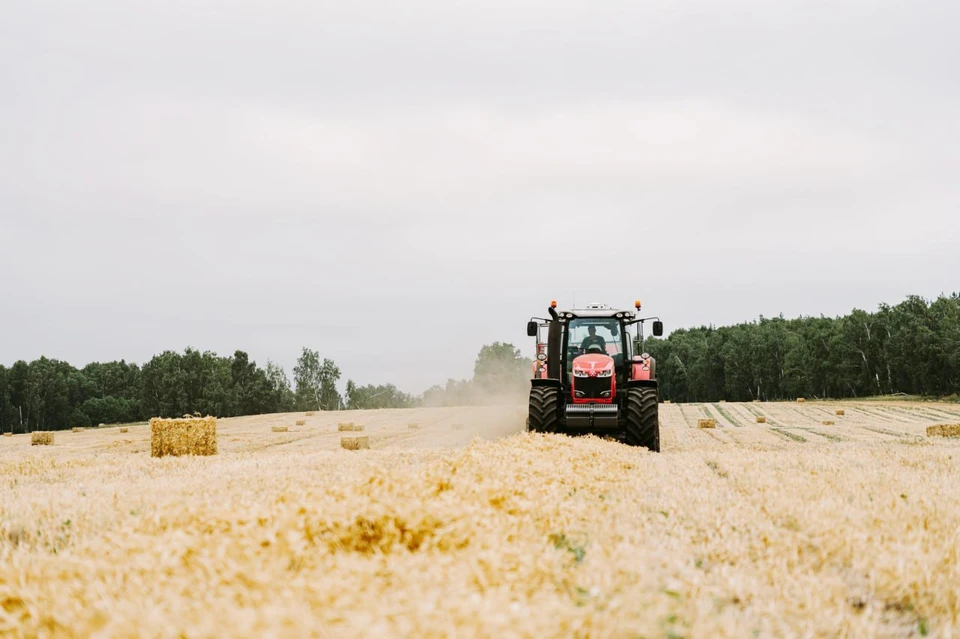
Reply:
x=592, y=376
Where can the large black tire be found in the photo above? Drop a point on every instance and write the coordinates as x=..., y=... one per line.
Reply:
x=544, y=409
x=643, y=420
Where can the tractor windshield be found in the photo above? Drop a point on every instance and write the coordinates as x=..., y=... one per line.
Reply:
x=598, y=335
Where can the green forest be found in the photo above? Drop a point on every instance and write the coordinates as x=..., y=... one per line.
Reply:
x=48, y=394
x=911, y=348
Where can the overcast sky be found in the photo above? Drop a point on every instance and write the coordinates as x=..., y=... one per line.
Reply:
x=396, y=186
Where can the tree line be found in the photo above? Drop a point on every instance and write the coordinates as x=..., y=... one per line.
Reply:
x=912, y=348
x=49, y=394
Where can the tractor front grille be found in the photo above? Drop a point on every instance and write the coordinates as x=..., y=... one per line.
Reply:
x=591, y=387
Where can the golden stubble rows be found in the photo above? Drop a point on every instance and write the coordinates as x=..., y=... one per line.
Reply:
x=527, y=536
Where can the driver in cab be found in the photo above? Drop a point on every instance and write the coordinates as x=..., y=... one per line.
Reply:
x=593, y=341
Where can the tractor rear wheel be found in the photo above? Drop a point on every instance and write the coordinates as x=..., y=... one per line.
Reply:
x=544, y=409
x=643, y=420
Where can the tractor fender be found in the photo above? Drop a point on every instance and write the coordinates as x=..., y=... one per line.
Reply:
x=645, y=369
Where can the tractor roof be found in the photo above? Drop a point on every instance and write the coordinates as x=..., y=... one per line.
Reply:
x=599, y=311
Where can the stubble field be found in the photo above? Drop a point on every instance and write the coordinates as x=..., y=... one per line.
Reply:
x=467, y=527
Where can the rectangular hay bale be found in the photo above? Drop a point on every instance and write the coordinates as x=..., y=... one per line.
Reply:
x=186, y=436
x=41, y=438
x=309, y=413
x=413, y=425
x=349, y=427
x=76, y=429
x=761, y=420
x=943, y=430
x=301, y=422
x=124, y=429
x=358, y=442
x=801, y=400
x=707, y=423
x=840, y=412
x=8, y=434
x=827, y=422
x=279, y=429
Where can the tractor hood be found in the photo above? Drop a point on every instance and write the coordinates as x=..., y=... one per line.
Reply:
x=593, y=365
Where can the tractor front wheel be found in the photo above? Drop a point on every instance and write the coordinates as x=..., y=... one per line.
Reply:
x=544, y=409
x=643, y=420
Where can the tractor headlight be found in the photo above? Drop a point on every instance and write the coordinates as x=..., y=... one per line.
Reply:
x=606, y=373
x=581, y=374
x=542, y=357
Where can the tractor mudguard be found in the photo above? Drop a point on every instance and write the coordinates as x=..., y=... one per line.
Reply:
x=545, y=381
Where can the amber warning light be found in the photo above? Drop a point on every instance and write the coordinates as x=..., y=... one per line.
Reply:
x=553, y=304
x=637, y=304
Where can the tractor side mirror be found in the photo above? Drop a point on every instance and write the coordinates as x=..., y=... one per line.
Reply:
x=531, y=329
x=657, y=328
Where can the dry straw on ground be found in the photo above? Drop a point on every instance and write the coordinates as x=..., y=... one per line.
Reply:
x=944, y=430
x=740, y=533
x=185, y=436
x=761, y=420
x=840, y=412
x=279, y=429
x=41, y=438
x=347, y=427
x=355, y=442
x=707, y=423
x=124, y=429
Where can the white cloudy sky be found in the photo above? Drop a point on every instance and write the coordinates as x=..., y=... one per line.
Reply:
x=396, y=184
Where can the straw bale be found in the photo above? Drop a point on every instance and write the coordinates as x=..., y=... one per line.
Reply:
x=76, y=429
x=124, y=429
x=707, y=423
x=176, y=437
x=309, y=413
x=8, y=434
x=413, y=425
x=722, y=401
x=944, y=430
x=801, y=400
x=349, y=427
x=841, y=412
x=667, y=401
x=39, y=438
x=279, y=429
x=761, y=420
x=828, y=422
x=301, y=422
x=355, y=442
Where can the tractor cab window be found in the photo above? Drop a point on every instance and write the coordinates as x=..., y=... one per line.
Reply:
x=593, y=335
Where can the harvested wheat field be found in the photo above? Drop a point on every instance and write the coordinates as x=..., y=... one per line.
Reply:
x=779, y=529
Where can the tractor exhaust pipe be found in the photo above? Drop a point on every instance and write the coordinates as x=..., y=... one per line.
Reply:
x=553, y=345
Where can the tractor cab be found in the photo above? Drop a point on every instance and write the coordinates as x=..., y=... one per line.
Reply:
x=595, y=376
